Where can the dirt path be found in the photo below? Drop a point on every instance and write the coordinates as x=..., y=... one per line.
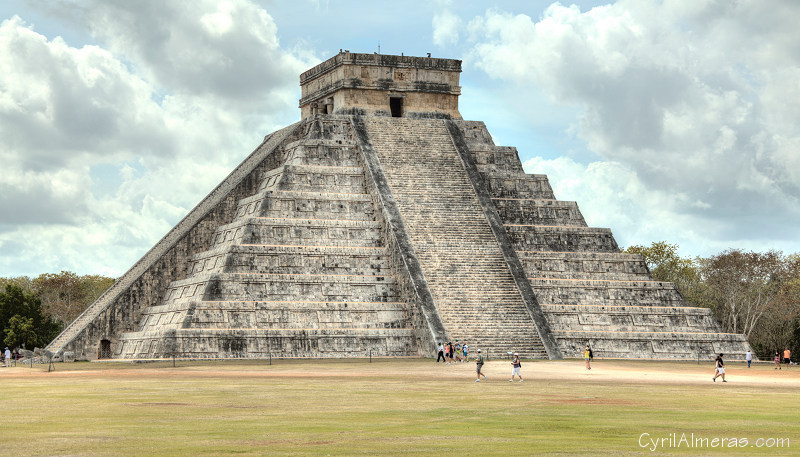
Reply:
x=635, y=372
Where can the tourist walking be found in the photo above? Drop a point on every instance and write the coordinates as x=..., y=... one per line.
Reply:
x=465, y=348
x=479, y=367
x=458, y=352
x=450, y=351
x=777, y=361
x=787, y=357
x=516, y=366
x=7, y=355
x=587, y=356
x=441, y=354
x=447, y=353
x=719, y=369
x=749, y=357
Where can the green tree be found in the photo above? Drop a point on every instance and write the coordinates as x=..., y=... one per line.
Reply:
x=20, y=332
x=744, y=287
x=665, y=264
x=779, y=327
x=23, y=282
x=66, y=295
x=14, y=301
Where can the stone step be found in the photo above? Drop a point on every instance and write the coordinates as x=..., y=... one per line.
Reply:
x=290, y=231
x=475, y=134
x=286, y=318
x=449, y=230
x=584, y=265
x=324, y=205
x=537, y=211
x=605, y=292
x=496, y=159
x=295, y=261
x=314, y=178
x=322, y=152
x=318, y=205
x=653, y=345
x=265, y=343
x=307, y=287
x=632, y=322
x=291, y=259
x=555, y=238
x=284, y=305
x=518, y=186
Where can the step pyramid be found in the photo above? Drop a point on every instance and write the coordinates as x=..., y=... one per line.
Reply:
x=382, y=224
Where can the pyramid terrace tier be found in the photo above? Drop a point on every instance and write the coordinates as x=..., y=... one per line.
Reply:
x=518, y=185
x=265, y=314
x=475, y=134
x=303, y=204
x=299, y=232
x=497, y=160
x=325, y=152
x=606, y=292
x=527, y=237
x=539, y=211
x=315, y=178
x=330, y=260
x=653, y=345
x=631, y=318
x=266, y=343
x=584, y=265
x=305, y=287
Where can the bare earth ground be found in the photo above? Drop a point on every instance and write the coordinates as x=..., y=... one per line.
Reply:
x=603, y=371
x=395, y=407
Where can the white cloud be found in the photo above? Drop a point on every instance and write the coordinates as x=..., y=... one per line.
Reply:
x=107, y=146
x=445, y=28
x=227, y=49
x=697, y=100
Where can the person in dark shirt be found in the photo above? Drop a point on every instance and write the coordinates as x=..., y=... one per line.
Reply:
x=719, y=370
x=479, y=367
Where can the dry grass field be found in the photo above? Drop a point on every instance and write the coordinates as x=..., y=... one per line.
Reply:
x=397, y=407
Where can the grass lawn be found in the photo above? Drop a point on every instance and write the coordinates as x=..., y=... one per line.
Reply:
x=395, y=407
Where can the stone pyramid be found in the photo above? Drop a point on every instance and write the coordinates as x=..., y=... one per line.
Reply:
x=381, y=224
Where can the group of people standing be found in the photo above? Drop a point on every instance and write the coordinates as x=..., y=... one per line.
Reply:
x=787, y=359
x=449, y=352
x=459, y=352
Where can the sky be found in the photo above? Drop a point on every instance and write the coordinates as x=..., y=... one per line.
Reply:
x=671, y=120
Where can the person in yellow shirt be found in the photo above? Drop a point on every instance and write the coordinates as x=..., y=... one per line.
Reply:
x=587, y=355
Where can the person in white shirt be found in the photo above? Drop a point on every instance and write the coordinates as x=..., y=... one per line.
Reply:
x=749, y=357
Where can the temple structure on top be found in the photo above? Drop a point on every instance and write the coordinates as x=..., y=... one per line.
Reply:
x=381, y=224
x=382, y=85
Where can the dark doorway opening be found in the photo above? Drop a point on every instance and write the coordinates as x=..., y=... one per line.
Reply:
x=396, y=105
x=105, y=349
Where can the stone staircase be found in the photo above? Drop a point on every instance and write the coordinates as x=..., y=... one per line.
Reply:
x=590, y=292
x=301, y=271
x=473, y=289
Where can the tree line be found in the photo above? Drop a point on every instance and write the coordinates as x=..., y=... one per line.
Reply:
x=33, y=311
x=754, y=293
